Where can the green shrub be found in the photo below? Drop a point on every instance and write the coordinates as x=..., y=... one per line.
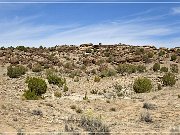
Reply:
x=169, y=79
x=142, y=50
x=159, y=87
x=139, y=51
x=21, y=48
x=142, y=85
x=30, y=95
x=141, y=68
x=146, y=58
x=131, y=69
x=122, y=68
x=150, y=54
x=173, y=57
x=107, y=73
x=97, y=79
x=56, y=80
x=15, y=71
x=65, y=88
x=53, y=79
x=37, y=85
x=126, y=68
x=88, y=50
x=164, y=69
x=156, y=67
x=174, y=68
x=37, y=68
x=27, y=79
x=161, y=53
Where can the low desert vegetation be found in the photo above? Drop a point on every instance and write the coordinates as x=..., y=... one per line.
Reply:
x=30, y=95
x=161, y=53
x=21, y=48
x=65, y=88
x=159, y=86
x=156, y=67
x=150, y=54
x=149, y=106
x=141, y=68
x=146, y=117
x=164, y=69
x=107, y=73
x=174, y=68
x=94, y=126
x=57, y=94
x=130, y=68
x=142, y=85
x=68, y=80
x=173, y=57
x=169, y=79
x=54, y=79
x=36, y=87
x=97, y=79
x=126, y=68
x=37, y=68
x=16, y=71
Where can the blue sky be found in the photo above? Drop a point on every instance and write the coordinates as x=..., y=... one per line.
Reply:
x=56, y=24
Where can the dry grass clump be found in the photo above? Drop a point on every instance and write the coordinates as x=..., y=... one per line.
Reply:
x=57, y=94
x=37, y=68
x=146, y=117
x=97, y=79
x=94, y=126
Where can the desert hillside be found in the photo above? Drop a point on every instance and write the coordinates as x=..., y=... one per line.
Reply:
x=89, y=89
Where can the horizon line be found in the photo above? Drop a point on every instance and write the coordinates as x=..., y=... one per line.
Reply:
x=88, y=2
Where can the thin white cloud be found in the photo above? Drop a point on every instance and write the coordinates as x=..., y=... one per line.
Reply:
x=176, y=10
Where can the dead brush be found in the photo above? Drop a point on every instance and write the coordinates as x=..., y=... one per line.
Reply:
x=146, y=117
x=94, y=126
